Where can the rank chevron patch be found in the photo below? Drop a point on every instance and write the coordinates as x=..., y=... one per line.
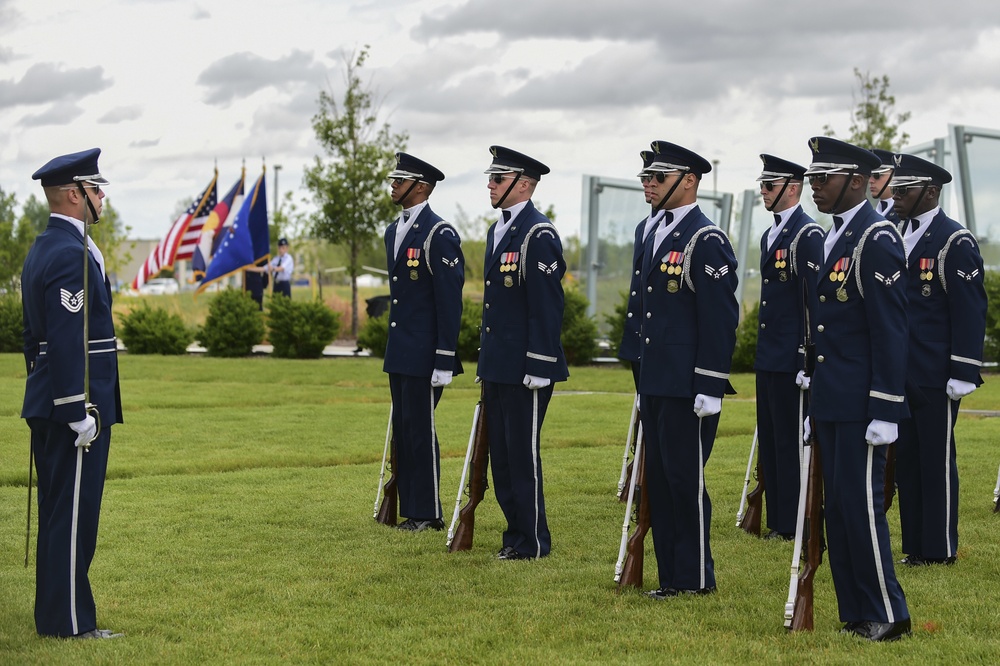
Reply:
x=70, y=301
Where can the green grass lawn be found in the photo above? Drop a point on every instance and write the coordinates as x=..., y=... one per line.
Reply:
x=237, y=529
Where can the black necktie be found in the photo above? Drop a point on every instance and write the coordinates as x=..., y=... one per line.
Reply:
x=882, y=205
x=506, y=216
x=406, y=216
x=838, y=222
x=912, y=224
x=777, y=219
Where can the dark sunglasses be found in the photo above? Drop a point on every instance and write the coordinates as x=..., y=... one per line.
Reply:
x=647, y=178
x=768, y=185
x=499, y=177
x=819, y=178
x=901, y=189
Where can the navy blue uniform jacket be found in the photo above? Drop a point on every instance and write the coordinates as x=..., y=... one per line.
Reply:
x=688, y=339
x=782, y=271
x=523, y=306
x=947, y=306
x=425, y=312
x=860, y=360
x=52, y=281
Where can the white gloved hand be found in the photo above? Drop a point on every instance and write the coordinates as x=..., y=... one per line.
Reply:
x=881, y=432
x=957, y=389
x=707, y=405
x=802, y=381
x=86, y=430
x=806, y=430
x=441, y=378
x=533, y=382
x=479, y=380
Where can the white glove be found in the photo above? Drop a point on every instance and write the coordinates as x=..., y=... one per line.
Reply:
x=806, y=429
x=706, y=405
x=881, y=432
x=957, y=389
x=802, y=381
x=86, y=430
x=441, y=378
x=534, y=382
x=479, y=380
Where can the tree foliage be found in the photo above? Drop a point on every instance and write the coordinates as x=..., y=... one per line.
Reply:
x=874, y=121
x=349, y=187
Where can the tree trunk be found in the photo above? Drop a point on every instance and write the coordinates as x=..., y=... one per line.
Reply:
x=354, y=290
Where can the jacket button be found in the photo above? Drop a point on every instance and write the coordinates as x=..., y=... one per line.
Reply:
x=393, y=324
x=763, y=325
x=633, y=293
x=763, y=303
x=487, y=329
x=820, y=328
x=395, y=302
x=820, y=358
x=629, y=315
x=487, y=282
x=649, y=290
x=647, y=341
x=394, y=278
x=766, y=280
x=487, y=306
x=648, y=315
x=637, y=272
x=822, y=299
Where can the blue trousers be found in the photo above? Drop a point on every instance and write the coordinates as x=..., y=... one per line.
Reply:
x=418, y=457
x=678, y=445
x=857, y=532
x=778, y=423
x=514, y=416
x=70, y=488
x=927, y=477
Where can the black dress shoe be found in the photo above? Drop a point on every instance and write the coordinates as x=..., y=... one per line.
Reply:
x=947, y=561
x=668, y=592
x=776, y=535
x=509, y=553
x=850, y=627
x=98, y=633
x=412, y=525
x=913, y=561
x=883, y=632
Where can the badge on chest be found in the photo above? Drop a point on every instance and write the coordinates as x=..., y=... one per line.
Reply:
x=839, y=276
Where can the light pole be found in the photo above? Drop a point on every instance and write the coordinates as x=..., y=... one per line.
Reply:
x=277, y=203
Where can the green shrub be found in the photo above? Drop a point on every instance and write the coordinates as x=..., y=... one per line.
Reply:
x=148, y=330
x=233, y=326
x=579, y=332
x=300, y=329
x=11, y=324
x=616, y=324
x=991, y=350
x=746, y=342
x=374, y=335
x=468, y=333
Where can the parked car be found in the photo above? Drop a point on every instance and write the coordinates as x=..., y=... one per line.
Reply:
x=158, y=286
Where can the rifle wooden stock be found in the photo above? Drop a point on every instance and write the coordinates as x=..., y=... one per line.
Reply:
x=802, y=616
x=751, y=518
x=388, y=511
x=478, y=483
x=632, y=569
x=890, y=475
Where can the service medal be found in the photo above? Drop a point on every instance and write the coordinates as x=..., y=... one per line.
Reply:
x=413, y=274
x=673, y=287
x=779, y=258
x=663, y=268
x=513, y=267
x=508, y=281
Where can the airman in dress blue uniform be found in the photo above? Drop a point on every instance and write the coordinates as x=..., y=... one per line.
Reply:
x=426, y=274
x=791, y=251
x=520, y=356
x=947, y=323
x=689, y=319
x=630, y=347
x=70, y=447
x=858, y=315
x=879, y=186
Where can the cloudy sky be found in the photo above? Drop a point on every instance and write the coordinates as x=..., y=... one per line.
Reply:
x=169, y=88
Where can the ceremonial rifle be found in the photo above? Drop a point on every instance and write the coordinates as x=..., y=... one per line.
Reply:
x=809, y=519
x=477, y=458
x=624, y=481
x=628, y=569
x=750, y=521
x=386, y=514
x=996, y=495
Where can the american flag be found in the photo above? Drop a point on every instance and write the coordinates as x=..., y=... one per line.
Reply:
x=180, y=241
